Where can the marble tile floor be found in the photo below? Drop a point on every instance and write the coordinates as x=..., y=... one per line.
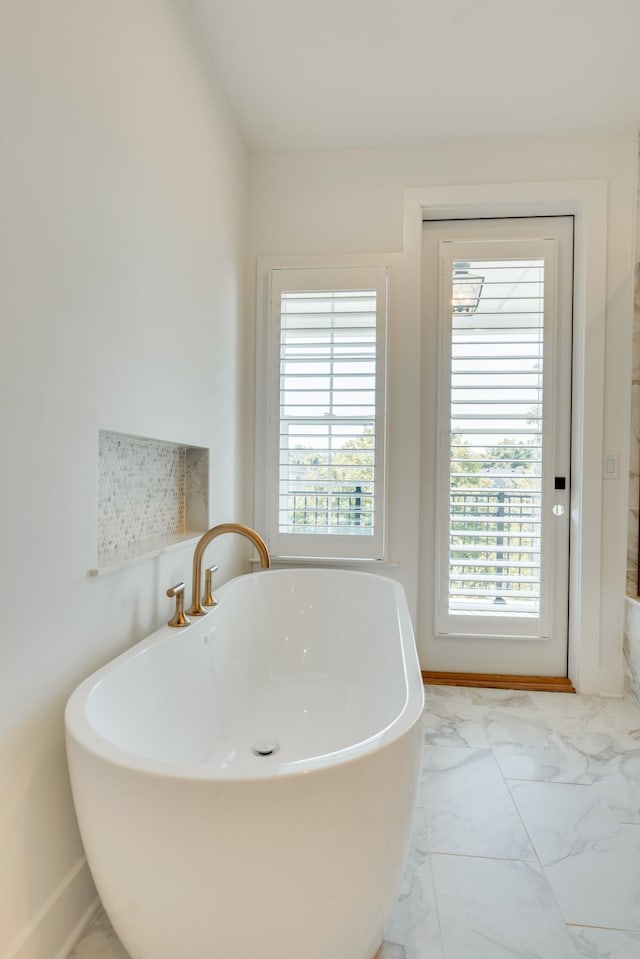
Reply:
x=526, y=840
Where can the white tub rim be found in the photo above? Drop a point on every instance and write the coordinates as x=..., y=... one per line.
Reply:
x=81, y=732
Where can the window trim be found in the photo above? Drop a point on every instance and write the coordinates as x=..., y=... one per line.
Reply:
x=317, y=546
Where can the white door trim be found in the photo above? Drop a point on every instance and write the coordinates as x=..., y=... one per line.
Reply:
x=586, y=200
x=533, y=644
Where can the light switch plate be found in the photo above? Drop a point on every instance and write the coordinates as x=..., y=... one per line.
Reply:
x=611, y=466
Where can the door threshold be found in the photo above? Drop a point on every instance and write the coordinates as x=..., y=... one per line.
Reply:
x=546, y=684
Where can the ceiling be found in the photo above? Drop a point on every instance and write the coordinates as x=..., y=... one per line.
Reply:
x=320, y=74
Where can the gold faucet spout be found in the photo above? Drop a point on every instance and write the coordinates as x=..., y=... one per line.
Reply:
x=196, y=608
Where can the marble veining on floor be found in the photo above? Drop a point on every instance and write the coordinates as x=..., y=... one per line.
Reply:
x=526, y=840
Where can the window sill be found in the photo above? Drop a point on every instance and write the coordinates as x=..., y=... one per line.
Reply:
x=322, y=561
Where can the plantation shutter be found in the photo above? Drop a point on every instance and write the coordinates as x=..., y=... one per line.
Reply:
x=328, y=433
x=498, y=339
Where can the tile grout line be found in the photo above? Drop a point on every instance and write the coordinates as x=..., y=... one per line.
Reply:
x=578, y=925
x=533, y=845
x=559, y=724
x=473, y=855
x=487, y=750
x=436, y=905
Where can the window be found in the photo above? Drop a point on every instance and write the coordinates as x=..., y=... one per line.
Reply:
x=496, y=402
x=325, y=421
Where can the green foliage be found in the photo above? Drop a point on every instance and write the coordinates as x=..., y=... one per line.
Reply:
x=336, y=485
x=493, y=509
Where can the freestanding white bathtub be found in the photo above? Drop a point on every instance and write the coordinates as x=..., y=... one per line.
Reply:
x=199, y=847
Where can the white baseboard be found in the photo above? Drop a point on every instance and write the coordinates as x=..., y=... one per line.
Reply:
x=76, y=934
x=57, y=925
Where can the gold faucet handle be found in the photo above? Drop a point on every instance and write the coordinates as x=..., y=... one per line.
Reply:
x=178, y=618
x=208, y=599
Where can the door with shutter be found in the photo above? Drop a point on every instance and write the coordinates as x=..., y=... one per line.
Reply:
x=501, y=313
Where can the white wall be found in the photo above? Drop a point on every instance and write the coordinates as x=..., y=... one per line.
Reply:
x=123, y=189
x=634, y=437
x=352, y=202
x=122, y=234
x=632, y=619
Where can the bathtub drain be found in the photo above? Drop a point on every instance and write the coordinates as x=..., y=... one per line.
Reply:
x=265, y=748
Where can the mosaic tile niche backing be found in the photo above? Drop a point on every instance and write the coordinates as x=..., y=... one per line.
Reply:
x=150, y=493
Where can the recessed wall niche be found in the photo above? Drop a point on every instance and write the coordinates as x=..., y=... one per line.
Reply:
x=152, y=496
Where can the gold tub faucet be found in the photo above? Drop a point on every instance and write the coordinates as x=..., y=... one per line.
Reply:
x=177, y=592
x=208, y=598
x=196, y=608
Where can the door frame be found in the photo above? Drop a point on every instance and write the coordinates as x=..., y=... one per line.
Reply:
x=586, y=201
x=522, y=645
